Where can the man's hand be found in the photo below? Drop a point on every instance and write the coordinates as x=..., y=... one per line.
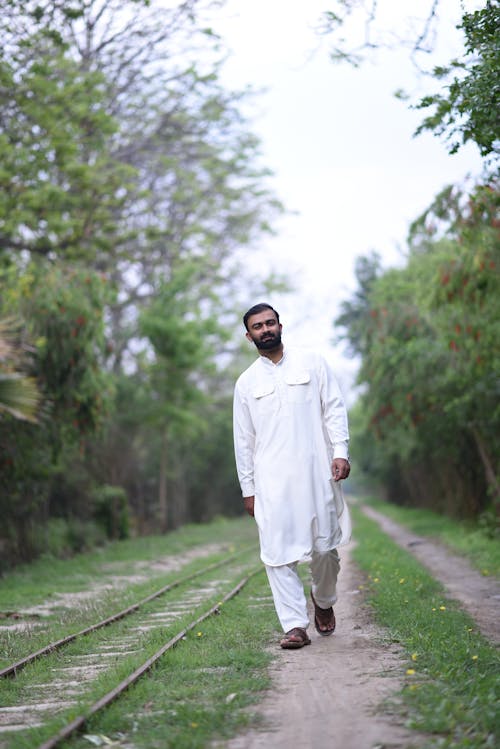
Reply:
x=248, y=503
x=340, y=469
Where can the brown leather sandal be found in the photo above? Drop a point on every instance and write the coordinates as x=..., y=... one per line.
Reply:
x=295, y=638
x=323, y=618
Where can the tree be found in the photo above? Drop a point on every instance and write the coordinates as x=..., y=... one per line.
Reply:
x=358, y=29
x=184, y=334
x=465, y=108
x=60, y=187
x=62, y=311
x=468, y=111
x=430, y=356
x=131, y=182
x=151, y=125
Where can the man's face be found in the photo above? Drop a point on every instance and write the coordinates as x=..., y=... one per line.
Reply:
x=264, y=330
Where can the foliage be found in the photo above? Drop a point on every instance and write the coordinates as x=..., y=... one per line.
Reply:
x=63, y=314
x=19, y=394
x=111, y=511
x=466, y=105
x=469, y=108
x=428, y=336
x=60, y=187
x=130, y=182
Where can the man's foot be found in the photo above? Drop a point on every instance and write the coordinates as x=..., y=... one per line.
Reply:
x=295, y=638
x=324, y=619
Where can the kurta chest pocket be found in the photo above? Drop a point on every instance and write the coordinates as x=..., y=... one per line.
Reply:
x=264, y=396
x=298, y=387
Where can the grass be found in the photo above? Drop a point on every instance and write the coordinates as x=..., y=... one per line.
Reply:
x=201, y=690
x=452, y=675
x=33, y=583
x=205, y=689
x=48, y=578
x=461, y=537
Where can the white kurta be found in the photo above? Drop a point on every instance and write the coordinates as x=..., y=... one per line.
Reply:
x=289, y=423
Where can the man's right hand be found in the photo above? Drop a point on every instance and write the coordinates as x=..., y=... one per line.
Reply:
x=248, y=503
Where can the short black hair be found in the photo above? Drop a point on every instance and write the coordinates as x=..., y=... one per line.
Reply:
x=261, y=307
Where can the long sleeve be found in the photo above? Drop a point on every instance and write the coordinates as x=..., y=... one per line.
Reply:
x=244, y=442
x=334, y=412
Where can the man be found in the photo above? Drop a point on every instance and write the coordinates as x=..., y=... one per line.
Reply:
x=291, y=438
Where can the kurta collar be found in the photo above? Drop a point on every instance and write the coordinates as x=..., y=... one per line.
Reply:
x=269, y=363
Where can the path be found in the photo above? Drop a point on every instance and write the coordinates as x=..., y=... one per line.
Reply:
x=325, y=696
x=478, y=594
x=328, y=695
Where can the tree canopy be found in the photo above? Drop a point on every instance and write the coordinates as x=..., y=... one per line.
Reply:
x=129, y=184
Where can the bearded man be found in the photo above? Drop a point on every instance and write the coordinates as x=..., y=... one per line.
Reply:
x=291, y=447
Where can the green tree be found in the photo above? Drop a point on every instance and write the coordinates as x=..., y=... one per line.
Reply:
x=430, y=358
x=63, y=314
x=468, y=110
x=130, y=186
x=466, y=105
x=60, y=187
x=185, y=335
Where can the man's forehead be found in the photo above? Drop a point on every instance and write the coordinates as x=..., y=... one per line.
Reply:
x=267, y=314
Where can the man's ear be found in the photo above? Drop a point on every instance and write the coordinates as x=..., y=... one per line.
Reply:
x=248, y=337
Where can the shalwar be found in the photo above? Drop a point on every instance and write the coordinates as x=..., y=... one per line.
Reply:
x=290, y=422
x=288, y=592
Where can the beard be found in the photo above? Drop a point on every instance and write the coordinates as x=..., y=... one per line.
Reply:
x=269, y=343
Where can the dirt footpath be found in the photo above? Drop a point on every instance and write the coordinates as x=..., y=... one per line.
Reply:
x=325, y=696
x=478, y=594
x=328, y=695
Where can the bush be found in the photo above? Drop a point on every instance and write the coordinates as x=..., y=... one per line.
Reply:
x=111, y=511
x=63, y=538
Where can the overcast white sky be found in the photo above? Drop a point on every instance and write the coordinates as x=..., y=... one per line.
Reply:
x=342, y=150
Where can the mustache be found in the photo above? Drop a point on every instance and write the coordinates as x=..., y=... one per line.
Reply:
x=268, y=341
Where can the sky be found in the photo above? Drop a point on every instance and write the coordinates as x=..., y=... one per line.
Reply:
x=341, y=147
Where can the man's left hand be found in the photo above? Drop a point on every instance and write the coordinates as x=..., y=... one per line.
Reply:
x=340, y=469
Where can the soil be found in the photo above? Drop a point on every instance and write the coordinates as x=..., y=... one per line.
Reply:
x=328, y=695
x=478, y=594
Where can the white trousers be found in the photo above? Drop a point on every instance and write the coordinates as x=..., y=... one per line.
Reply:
x=288, y=591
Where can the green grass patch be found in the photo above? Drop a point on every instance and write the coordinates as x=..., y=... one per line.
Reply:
x=46, y=580
x=33, y=583
x=465, y=538
x=452, y=674
x=203, y=689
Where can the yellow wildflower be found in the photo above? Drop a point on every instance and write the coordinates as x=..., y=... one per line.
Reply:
x=410, y=671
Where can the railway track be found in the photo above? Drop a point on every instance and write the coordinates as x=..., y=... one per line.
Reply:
x=99, y=651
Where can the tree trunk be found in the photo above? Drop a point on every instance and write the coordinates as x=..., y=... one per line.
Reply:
x=162, y=488
x=489, y=470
